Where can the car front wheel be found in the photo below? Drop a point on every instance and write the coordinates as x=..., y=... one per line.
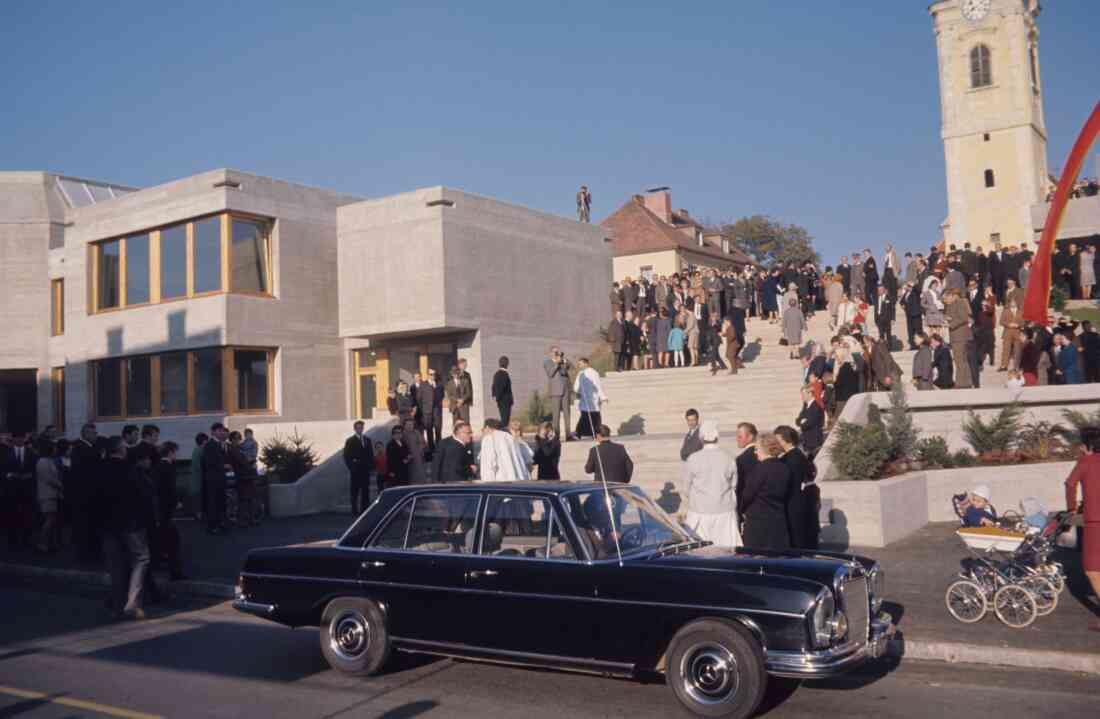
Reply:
x=353, y=637
x=716, y=669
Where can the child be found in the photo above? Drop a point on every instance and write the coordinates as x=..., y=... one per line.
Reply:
x=979, y=514
x=1014, y=379
x=676, y=345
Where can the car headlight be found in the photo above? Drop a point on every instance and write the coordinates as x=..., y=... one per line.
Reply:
x=823, y=620
x=876, y=582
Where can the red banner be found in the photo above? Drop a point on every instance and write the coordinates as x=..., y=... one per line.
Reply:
x=1037, y=299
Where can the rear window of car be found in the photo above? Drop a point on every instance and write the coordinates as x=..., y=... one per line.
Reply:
x=432, y=523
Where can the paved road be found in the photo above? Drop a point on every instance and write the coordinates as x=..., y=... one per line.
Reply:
x=59, y=658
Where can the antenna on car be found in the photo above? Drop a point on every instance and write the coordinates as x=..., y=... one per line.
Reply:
x=606, y=491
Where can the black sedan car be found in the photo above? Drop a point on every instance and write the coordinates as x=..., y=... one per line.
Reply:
x=572, y=576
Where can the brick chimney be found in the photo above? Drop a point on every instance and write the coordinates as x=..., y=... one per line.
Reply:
x=660, y=204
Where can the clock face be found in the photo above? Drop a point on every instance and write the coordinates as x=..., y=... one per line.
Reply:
x=975, y=9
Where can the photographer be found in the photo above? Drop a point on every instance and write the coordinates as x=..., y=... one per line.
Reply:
x=557, y=369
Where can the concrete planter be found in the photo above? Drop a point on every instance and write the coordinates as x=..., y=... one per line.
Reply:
x=877, y=513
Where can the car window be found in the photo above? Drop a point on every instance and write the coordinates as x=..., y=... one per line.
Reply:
x=432, y=523
x=632, y=522
x=521, y=526
x=559, y=548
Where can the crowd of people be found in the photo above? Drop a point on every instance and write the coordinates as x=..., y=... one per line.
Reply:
x=1085, y=187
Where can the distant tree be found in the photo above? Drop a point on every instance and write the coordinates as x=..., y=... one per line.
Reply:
x=769, y=241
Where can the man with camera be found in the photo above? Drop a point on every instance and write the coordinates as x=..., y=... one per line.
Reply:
x=558, y=389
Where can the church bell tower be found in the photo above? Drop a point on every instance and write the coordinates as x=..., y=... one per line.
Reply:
x=994, y=137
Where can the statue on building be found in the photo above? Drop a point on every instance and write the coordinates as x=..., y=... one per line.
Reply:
x=584, y=204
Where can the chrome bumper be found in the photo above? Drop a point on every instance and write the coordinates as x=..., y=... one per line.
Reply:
x=830, y=662
x=254, y=608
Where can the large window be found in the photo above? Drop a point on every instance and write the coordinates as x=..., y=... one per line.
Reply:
x=981, y=71
x=223, y=253
x=173, y=262
x=57, y=307
x=215, y=379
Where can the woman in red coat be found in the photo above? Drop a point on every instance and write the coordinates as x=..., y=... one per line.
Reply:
x=1087, y=474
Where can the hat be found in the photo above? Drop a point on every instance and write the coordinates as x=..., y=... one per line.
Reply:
x=982, y=490
x=708, y=431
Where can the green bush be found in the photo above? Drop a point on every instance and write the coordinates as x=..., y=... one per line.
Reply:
x=537, y=410
x=998, y=435
x=1058, y=298
x=899, y=427
x=1077, y=422
x=933, y=452
x=1041, y=440
x=962, y=458
x=288, y=459
x=860, y=453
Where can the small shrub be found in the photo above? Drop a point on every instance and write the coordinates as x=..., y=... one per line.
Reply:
x=537, y=410
x=1058, y=298
x=996, y=436
x=933, y=452
x=962, y=458
x=1041, y=440
x=860, y=453
x=899, y=427
x=288, y=459
x=1077, y=422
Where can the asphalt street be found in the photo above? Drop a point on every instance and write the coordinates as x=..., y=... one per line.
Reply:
x=60, y=657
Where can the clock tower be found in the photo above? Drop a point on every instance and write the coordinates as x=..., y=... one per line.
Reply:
x=994, y=137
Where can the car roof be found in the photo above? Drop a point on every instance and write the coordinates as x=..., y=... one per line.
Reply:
x=544, y=486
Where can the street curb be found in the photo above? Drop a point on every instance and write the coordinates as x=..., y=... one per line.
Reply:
x=899, y=648
x=957, y=653
x=186, y=587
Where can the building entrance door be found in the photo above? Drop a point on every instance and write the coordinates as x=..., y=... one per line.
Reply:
x=18, y=400
x=371, y=380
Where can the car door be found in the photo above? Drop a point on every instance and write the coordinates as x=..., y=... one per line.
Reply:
x=416, y=565
x=528, y=590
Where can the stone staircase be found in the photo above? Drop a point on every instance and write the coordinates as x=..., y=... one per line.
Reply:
x=646, y=408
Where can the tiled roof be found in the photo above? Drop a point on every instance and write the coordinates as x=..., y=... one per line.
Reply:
x=635, y=229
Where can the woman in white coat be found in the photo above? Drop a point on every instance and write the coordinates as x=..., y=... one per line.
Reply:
x=590, y=397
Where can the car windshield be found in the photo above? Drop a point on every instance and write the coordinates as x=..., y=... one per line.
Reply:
x=634, y=520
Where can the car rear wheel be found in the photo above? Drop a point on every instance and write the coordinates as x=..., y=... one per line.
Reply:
x=353, y=636
x=716, y=669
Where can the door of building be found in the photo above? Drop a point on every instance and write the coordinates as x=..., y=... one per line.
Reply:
x=18, y=400
x=371, y=379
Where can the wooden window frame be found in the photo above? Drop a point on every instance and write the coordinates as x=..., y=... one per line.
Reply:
x=229, y=384
x=57, y=397
x=981, y=66
x=381, y=372
x=225, y=229
x=57, y=307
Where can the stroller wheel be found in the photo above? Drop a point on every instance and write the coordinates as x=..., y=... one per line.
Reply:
x=1055, y=576
x=1015, y=606
x=966, y=601
x=1042, y=591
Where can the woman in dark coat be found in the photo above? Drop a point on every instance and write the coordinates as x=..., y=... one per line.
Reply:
x=660, y=346
x=811, y=422
x=397, y=459
x=771, y=296
x=942, y=364
x=804, y=496
x=764, y=501
x=547, y=452
x=984, y=328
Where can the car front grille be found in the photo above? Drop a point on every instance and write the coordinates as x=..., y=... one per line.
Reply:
x=856, y=605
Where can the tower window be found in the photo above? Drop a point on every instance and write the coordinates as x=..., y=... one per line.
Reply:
x=986, y=137
x=1034, y=66
x=981, y=71
x=989, y=179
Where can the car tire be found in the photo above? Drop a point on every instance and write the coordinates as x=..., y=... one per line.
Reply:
x=353, y=635
x=716, y=669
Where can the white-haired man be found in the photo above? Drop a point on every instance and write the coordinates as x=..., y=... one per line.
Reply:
x=711, y=477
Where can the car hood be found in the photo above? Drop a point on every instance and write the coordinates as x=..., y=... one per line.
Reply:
x=814, y=566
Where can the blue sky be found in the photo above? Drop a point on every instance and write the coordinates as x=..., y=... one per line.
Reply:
x=825, y=114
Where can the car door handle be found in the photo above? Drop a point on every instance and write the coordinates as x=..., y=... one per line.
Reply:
x=372, y=565
x=482, y=573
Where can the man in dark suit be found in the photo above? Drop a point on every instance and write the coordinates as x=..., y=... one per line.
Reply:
x=607, y=460
x=502, y=391
x=17, y=477
x=870, y=276
x=914, y=313
x=429, y=402
x=453, y=460
x=692, y=442
x=845, y=272
x=616, y=335
x=359, y=459
x=885, y=311
x=215, y=463
x=83, y=494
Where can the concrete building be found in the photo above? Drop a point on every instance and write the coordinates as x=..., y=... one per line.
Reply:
x=650, y=238
x=1081, y=221
x=232, y=297
x=994, y=134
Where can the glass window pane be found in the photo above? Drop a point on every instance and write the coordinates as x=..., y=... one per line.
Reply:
x=516, y=527
x=393, y=534
x=443, y=524
x=208, y=255
x=173, y=383
x=110, y=269
x=173, y=262
x=99, y=192
x=137, y=269
x=139, y=387
x=248, y=270
x=366, y=358
x=208, y=379
x=560, y=548
x=368, y=395
x=252, y=373
x=108, y=388
x=77, y=195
